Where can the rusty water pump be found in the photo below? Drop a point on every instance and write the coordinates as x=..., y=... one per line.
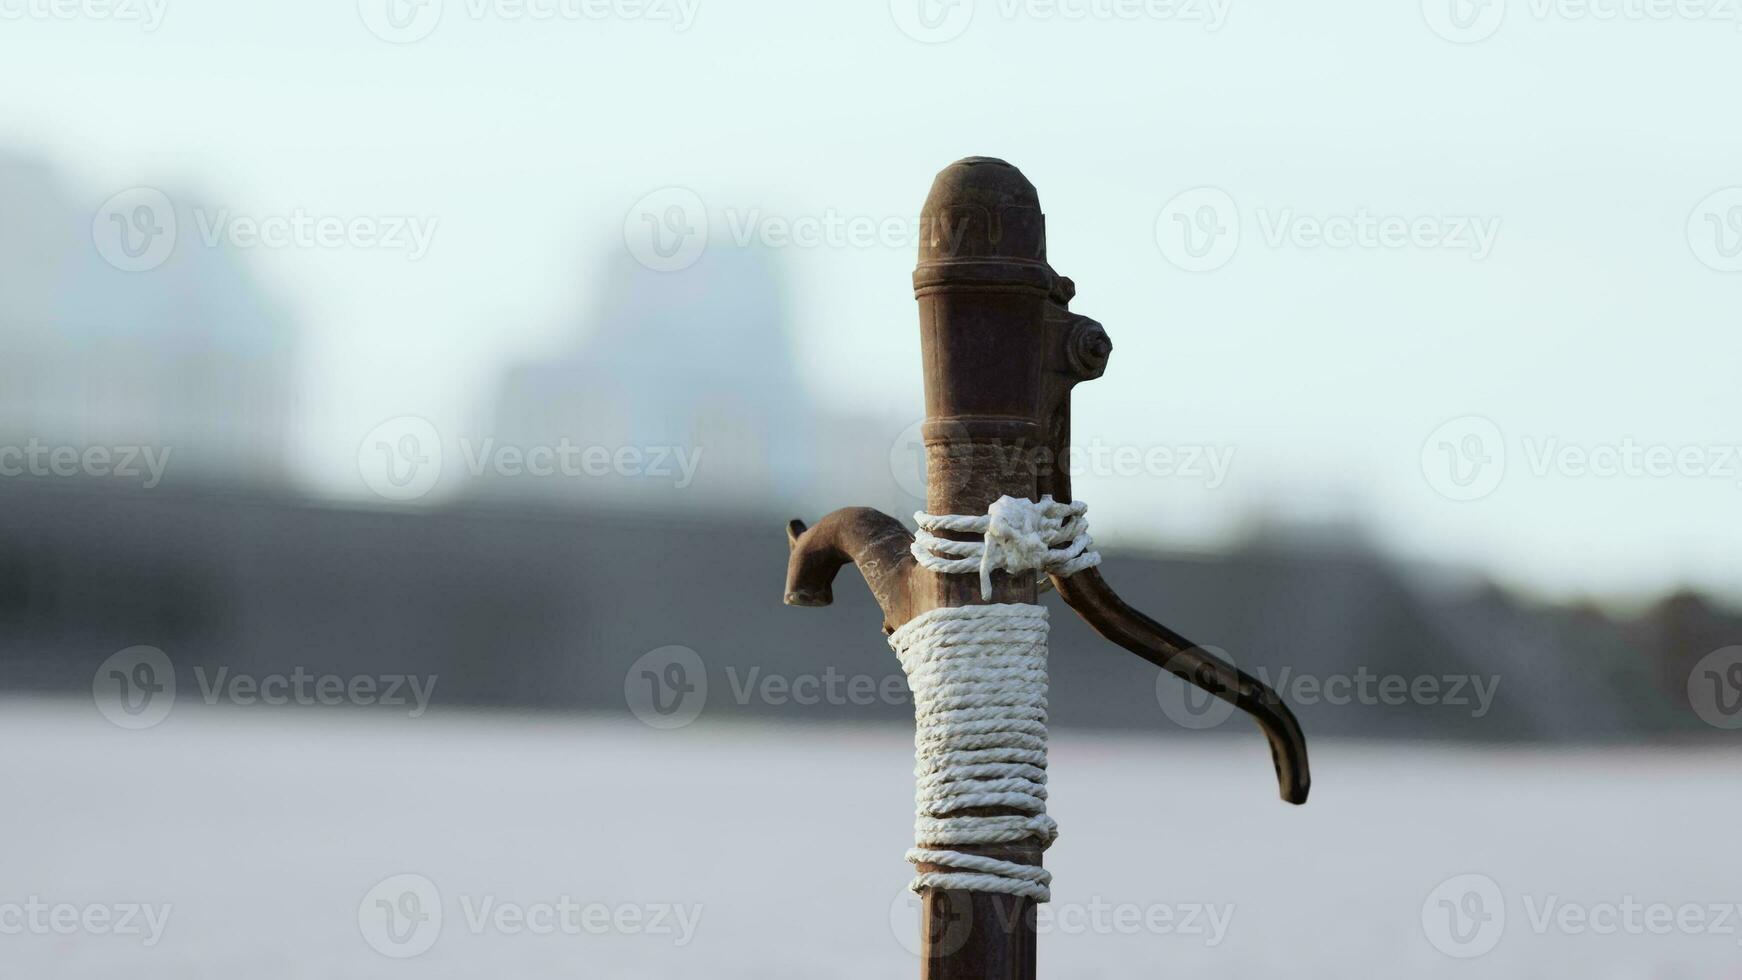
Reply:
x=1002, y=352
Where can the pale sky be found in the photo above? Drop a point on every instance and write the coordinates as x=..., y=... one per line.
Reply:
x=1555, y=283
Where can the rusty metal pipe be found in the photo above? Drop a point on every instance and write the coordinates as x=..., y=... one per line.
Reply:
x=1093, y=599
x=872, y=540
x=1001, y=354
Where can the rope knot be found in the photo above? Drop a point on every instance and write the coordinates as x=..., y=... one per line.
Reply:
x=1016, y=538
x=1018, y=535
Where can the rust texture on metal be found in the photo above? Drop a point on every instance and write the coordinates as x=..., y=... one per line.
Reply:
x=1001, y=352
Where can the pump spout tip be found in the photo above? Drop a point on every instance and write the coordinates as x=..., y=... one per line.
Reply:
x=1092, y=598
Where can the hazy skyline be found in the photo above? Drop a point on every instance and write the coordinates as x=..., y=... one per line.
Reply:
x=1518, y=233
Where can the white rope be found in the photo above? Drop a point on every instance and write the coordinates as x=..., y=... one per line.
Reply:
x=1019, y=536
x=979, y=681
x=978, y=675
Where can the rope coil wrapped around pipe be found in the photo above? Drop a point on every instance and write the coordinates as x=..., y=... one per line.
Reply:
x=979, y=681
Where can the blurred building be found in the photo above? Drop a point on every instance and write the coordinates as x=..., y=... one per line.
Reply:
x=714, y=412
x=189, y=357
x=692, y=372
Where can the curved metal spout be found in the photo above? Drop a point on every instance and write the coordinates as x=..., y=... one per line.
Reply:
x=1081, y=355
x=1095, y=601
x=870, y=539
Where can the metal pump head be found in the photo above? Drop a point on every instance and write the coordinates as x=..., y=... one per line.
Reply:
x=1002, y=352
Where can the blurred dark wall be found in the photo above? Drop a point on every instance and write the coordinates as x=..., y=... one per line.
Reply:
x=548, y=609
